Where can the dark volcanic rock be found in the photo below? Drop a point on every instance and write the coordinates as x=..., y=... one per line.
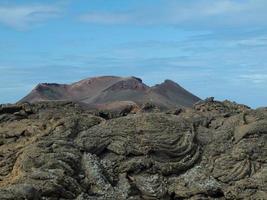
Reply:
x=60, y=150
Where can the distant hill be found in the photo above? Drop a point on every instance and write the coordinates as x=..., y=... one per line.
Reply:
x=109, y=89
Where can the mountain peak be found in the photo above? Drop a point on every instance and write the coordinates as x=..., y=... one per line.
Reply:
x=170, y=82
x=136, y=78
x=108, y=89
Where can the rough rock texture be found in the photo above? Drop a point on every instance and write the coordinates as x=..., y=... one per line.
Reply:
x=58, y=150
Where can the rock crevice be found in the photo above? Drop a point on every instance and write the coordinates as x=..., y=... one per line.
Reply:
x=60, y=150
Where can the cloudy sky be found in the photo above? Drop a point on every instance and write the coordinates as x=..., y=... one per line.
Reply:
x=212, y=48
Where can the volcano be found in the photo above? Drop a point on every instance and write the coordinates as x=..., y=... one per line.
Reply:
x=109, y=89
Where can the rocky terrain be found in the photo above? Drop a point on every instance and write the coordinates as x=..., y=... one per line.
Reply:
x=100, y=92
x=62, y=150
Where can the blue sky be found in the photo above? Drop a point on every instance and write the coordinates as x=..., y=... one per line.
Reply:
x=212, y=48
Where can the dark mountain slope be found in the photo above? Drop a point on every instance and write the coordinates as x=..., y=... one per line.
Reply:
x=175, y=93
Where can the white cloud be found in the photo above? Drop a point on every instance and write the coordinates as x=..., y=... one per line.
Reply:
x=255, y=78
x=192, y=14
x=22, y=17
x=107, y=18
x=254, y=42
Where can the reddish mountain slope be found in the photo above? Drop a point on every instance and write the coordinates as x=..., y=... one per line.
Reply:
x=108, y=89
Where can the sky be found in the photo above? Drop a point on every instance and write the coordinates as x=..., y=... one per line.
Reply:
x=211, y=48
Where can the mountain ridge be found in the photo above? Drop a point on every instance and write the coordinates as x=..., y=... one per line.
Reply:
x=108, y=89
